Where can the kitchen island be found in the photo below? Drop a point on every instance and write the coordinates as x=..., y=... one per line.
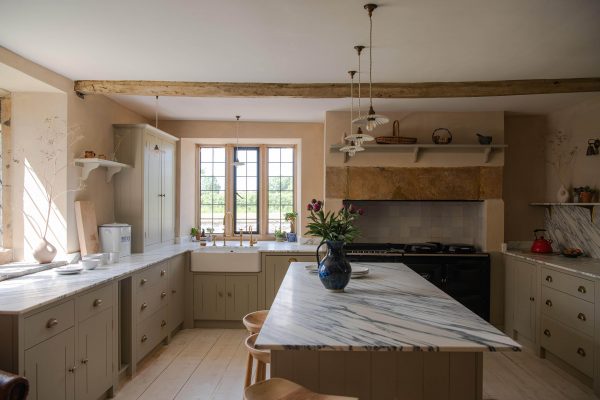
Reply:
x=390, y=335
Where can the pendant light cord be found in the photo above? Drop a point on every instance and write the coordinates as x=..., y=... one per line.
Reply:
x=351, y=100
x=156, y=113
x=370, y=59
x=358, y=83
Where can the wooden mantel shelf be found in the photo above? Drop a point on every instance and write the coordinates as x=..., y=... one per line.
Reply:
x=90, y=164
x=416, y=149
x=590, y=206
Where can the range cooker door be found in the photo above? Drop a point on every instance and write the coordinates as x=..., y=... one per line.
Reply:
x=468, y=281
x=432, y=271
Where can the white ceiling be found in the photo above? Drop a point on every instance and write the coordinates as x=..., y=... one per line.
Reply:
x=303, y=41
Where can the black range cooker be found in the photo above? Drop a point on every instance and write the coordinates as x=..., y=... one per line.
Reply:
x=457, y=269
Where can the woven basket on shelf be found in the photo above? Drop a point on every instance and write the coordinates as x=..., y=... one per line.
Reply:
x=395, y=138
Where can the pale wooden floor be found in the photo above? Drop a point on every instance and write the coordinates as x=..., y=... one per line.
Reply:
x=210, y=364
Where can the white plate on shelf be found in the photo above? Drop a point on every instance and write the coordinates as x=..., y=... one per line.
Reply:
x=69, y=269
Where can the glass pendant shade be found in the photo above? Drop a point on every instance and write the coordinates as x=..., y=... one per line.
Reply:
x=371, y=120
x=351, y=149
x=359, y=137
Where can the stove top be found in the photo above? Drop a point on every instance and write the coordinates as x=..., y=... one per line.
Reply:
x=409, y=248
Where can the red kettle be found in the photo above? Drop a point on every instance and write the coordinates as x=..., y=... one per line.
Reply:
x=541, y=245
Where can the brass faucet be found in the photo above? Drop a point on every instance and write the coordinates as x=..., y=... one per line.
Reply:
x=252, y=241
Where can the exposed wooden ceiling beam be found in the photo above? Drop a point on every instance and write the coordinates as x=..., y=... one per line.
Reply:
x=339, y=90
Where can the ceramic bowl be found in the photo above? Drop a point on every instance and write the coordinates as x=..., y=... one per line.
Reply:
x=103, y=257
x=90, y=263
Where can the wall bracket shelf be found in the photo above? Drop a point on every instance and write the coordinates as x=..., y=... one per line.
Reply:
x=90, y=164
x=417, y=149
x=590, y=206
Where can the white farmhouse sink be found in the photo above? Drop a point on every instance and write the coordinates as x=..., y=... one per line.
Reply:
x=226, y=259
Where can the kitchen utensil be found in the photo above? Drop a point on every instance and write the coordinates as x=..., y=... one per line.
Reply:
x=395, y=138
x=70, y=269
x=113, y=257
x=87, y=227
x=484, y=139
x=541, y=245
x=90, y=263
x=441, y=136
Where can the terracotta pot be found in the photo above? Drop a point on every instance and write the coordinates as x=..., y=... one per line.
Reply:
x=44, y=252
x=198, y=236
x=586, y=197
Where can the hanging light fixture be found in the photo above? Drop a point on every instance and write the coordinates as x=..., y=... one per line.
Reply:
x=359, y=137
x=353, y=147
x=371, y=120
x=156, y=149
x=236, y=162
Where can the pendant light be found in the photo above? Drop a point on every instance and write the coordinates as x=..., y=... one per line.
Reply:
x=359, y=137
x=156, y=149
x=371, y=120
x=353, y=147
x=236, y=162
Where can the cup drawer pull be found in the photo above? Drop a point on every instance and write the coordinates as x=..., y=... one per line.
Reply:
x=144, y=338
x=144, y=306
x=581, y=316
x=547, y=332
x=581, y=352
x=581, y=289
x=52, y=322
x=97, y=302
x=548, y=278
x=549, y=303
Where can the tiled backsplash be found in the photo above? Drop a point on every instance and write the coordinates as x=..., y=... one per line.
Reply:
x=421, y=221
x=573, y=227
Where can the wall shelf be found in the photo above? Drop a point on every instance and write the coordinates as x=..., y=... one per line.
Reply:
x=417, y=149
x=90, y=164
x=590, y=206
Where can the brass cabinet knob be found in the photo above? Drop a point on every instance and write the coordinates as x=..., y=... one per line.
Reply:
x=549, y=303
x=292, y=259
x=547, y=332
x=144, y=338
x=532, y=298
x=84, y=361
x=220, y=294
x=163, y=323
x=581, y=352
x=581, y=316
x=173, y=291
x=228, y=294
x=163, y=272
x=548, y=278
x=163, y=295
x=97, y=302
x=51, y=323
x=581, y=289
x=72, y=369
x=144, y=306
x=143, y=281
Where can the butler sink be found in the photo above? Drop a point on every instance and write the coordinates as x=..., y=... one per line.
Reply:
x=226, y=259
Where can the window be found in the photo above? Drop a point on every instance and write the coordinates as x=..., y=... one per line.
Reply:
x=245, y=199
x=256, y=194
x=212, y=188
x=281, y=187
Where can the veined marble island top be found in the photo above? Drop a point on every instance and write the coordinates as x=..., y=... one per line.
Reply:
x=392, y=309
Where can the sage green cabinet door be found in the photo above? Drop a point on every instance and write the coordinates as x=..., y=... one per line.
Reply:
x=209, y=297
x=275, y=269
x=176, y=288
x=524, y=306
x=49, y=367
x=152, y=191
x=168, y=190
x=242, y=296
x=95, y=356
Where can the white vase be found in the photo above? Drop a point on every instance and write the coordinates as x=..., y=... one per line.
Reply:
x=562, y=195
x=44, y=252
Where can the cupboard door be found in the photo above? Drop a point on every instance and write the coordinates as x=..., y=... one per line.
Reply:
x=152, y=191
x=95, y=356
x=242, y=296
x=209, y=297
x=275, y=269
x=168, y=191
x=524, y=312
x=176, y=288
x=50, y=368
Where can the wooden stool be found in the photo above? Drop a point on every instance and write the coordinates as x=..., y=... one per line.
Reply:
x=281, y=389
x=255, y=320
x=262, y=357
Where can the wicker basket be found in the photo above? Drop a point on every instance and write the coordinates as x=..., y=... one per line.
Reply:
x=395, y=138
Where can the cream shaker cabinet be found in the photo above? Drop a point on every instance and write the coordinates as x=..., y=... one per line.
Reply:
x=220, y=297
x=276, y=267
x=145, y=193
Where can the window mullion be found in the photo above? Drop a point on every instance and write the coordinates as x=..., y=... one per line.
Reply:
x=263, y=188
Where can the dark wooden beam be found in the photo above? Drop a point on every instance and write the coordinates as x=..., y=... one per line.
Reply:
x=340, y=90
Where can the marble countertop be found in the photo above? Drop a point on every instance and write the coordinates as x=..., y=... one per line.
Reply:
x=584, y=266
x=25, y=293
x=392, y=309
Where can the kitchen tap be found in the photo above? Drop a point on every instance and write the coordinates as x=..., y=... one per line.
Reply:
x=252, y=241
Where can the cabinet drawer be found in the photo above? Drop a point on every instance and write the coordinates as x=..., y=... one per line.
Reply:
x=576, y=313
x=45, y=324
x=571, y=346
x=94, y=302
x=150, y=277
x=573, y=285
x=151, y=331
x=151, y=299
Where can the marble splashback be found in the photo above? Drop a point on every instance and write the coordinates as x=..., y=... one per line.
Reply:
x=421, y=221
x=573, y=227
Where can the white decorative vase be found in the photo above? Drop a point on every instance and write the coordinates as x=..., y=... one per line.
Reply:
x=562, y=195
x=44, y=252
